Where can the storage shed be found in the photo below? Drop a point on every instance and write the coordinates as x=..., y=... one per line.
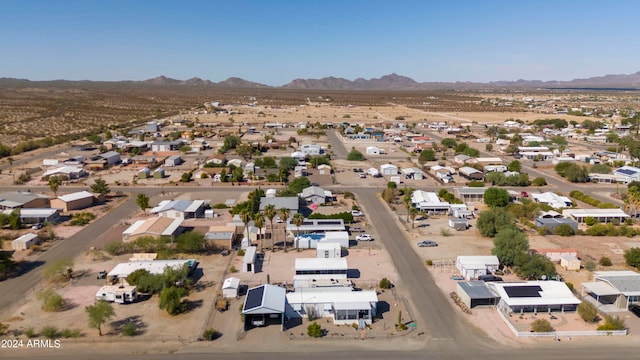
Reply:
x=249, y=260
x=570, y=262
x=473, y=266
x=230, y=287
x=328, y=250
x=24, y=242
x=388, y=169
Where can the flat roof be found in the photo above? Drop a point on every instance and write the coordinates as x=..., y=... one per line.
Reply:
x=123, y=270
x=471, y=190
x=531, y=293
x=75, y=196
x=156, y=225
x=477, y=290
x=626, y=282
x=341, y=299
x=601, y=288
x=594, y=213
x=321, y=264
x=26, y=237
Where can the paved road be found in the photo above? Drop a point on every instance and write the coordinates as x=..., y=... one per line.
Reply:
x=339, y=150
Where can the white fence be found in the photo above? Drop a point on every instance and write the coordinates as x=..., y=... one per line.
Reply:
x=559, y=334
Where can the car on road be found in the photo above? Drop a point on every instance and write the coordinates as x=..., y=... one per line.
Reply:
x=356, y=229
x=364, y=237
x=363, y=175
x=427, y=243
x=356, y=213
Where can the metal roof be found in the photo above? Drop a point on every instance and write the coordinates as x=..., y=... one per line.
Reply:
x=627, y=283
x=342, y=298
x=265, y=299
x=477, y=289
x=123, y=270
x=231, y=283
x=178, y=205
x=321, y=264
x=290, y=202
x=75, y=196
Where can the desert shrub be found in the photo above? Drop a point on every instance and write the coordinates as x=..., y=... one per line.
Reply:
x=220, y=206
x=233, y=269
x=605, y=261
x=590, y=265
x=348, y=195
x=210, y=334
x=588, y=312
x=632, y=257
x=541, y=325
x=564, y=230
x=70, y=333
x=314, y=330
x=445, y=232
x=81, y=218
x=429, y=262
x=539, y=181
x=30, y=332
x=113, y=248
x=51, y=301
x=385, y=283
x=241, y=252
x=612, y=323
x=355, y=155
x=129, y=329
x=171, y=300
x=3, y=328
x=590, y=221
x=570, y=286
x=50, y=332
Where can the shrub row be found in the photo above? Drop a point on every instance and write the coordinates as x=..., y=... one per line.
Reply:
x=578, y=195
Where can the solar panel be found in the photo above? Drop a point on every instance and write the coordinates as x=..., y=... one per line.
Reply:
x=626, y=171
x=254, y=298
x=523, y=291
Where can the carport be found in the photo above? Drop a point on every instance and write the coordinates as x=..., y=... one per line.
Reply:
x=604, y=294
x=476, y=293
x=264, y=305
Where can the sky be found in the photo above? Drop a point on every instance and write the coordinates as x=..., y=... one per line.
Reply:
x=273, y=42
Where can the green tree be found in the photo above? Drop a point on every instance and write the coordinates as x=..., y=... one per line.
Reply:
x=515, y=165
x=508, y=244
x=185, y=177
x=283, y=213
x=600, y=169
x=534, y=266
x=231, y=142
x=54, y=185
x=15, y=221
x=288, y=163
x=496, y=197
x=190, y=242
x=541, y=325
x=100, y=187
x=413, y=213
x=488, y=147
x=355, y=155
x=632, y=257
x=564, y=230
x=298, y=220
x=270, y=213
x=449, y=143
x=298, y=184
x=99, y=314
x=493, y=220
x=171, y=300
x=588, y=312
x=539, y=181
x=143, y=201
x=7, y=264
x=58, y=270
x=426, y=155
x=51, y=301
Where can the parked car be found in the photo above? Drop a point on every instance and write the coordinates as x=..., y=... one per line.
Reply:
x=489, y=277
x=364, y=237
x=278, y=220
x=427, y=243
x=356, y=213
x=363, y=175
x=36, y=226
x=356, y=229
x=102, y=275
x=524, y=194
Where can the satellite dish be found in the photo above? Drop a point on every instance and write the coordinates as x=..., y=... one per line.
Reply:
x=544, y=277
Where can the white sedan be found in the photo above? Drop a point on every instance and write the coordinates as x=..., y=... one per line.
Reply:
x=364, y=237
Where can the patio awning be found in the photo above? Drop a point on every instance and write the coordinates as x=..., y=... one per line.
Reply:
x=601, y=288
x=352, y=306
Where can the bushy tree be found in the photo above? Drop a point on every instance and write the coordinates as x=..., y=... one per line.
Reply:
x=288, y=163
x=314, y=330
x=508, y=244
x=564, y=230
x=171, y=300
x=299, y=183
x=143, y=201
x=426, y=155
x=58, y=270
x=496, y=197
x=355, y=155
x=632, y=257
x=493, y=220
x=539, y=181
x=100, y=187
x=515, y=165
x=588, y=312
x=99, y=314
x=15, y=221
x=51, y=301
x=534, y=266
x=190, y=242
x=385, y=283
x=541, y=325
x=449, y=143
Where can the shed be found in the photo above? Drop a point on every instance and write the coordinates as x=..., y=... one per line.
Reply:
x=24, y=242
x=158, y=173
x=249, y=260
x=73, y=201
x=264, y=305
x=475, y=293
x=230, y=287
x=570, y=262
x=473, y=266
x=388, y=169
x=470, y=173
x=372, y=150
x=174, y=160
x=328, y=250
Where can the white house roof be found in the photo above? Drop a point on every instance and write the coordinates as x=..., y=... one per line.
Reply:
x=312, y=225
x=552, y=199
x=264, y=299
x=388, y=166
x=186, y=206
x=321, y=264
x=249, y=255
x=594, y=213
x=477, y=262
x=27, y=213
x=346, y=299
x=123, y=270
x=161, y=226
x=75, y=196
x=467, y=170
x=532, y=293
x=231, y=283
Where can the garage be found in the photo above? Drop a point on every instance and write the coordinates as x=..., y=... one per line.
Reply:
x=264, y=305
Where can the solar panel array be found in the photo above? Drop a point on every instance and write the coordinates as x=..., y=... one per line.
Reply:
x=523, y=291
x=254, y=298
x=626, y=171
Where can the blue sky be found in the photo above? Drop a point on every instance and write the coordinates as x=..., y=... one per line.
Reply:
x=274, y=42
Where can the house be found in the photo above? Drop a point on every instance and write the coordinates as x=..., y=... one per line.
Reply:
x=555, y=254
x=534, y=296
x=218, y=159
x=236, y=162
x=552, y=199
x=214, y=173
x=487, y=161
x=310, y=270
x=174, y=160
x=461, y=159
x=230, y=287
x=470, y=173
x=249, y=259
x=155, y=226
x=73, y=201
x=317, y=226
x=429, y=201
x=388, y=169
x=264, y=305
x=324, y=169
x=156, y=267
x=68, y=172
x=292, y=203
x=629, y=173
x=325, y=249
x=310, y=149
x=30, y=216
x=24, y=242
x=180, y=209
x=372, y=150
x=315, y=195
x=599, y=215
x=494, y=168
x=612, y=291
x=470, y=194
x=343, y=305
x=222, y=236
x=23, y=200
x=313, y=240
x=119, y=294
x=473, y=266
x=111, y=157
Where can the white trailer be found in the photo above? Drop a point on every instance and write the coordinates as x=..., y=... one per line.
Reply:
x=119, y=294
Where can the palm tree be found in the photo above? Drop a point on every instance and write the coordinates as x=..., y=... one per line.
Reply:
x=258, y=220
x=246, y=217
x=270, y=213
x=284, y=216
x=298, y=220
x=413, y=212
x=54, y=184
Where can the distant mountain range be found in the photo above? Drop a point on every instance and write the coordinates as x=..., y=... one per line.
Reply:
x=387, y=82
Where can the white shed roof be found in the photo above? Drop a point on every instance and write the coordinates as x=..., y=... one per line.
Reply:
x=231, y=283
x=341, y=299
x=321, y=264
x=75, y=196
